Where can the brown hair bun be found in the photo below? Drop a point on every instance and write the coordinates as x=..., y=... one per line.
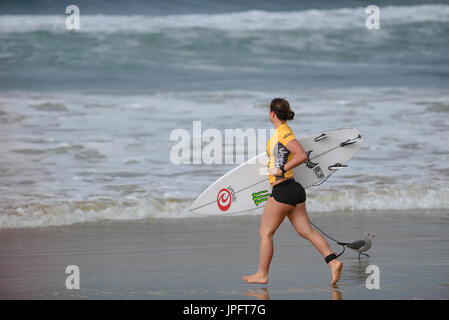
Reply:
x=282, y=109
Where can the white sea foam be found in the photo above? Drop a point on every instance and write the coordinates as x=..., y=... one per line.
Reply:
x=386, y=198
x=67, y=213
x=342, y=201
x=114, y=165
x=239, y=21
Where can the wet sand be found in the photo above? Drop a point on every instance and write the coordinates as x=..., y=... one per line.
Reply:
x=204, y=258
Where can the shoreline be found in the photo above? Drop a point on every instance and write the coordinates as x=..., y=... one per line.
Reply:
x=410, y=213
x=205, y=258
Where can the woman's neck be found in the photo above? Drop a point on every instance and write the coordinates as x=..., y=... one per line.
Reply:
x=278, y=123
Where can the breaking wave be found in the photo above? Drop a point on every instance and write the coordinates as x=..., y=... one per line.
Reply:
x=345, y=200
x=311, y=19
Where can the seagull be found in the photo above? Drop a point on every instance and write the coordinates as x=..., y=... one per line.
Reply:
x=361, y=245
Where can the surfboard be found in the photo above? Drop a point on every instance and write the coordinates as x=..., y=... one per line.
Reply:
x=246, y=187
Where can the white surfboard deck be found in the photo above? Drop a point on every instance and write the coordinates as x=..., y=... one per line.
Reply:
x=246, y=187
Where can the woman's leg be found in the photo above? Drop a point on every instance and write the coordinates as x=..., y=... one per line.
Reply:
x=300, y=221
x=273, y=215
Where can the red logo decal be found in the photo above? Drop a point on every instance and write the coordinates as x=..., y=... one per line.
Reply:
x=224, y=199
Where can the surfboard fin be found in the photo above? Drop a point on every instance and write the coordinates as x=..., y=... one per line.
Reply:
x=337, y=166
x=350, y=141
x=320, y=137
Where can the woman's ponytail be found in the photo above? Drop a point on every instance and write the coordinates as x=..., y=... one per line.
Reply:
x=281, y=108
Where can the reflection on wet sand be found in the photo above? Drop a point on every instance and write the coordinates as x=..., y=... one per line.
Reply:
x=336, y=293
x=259, y=293
x=356, y=270
x=262, y=293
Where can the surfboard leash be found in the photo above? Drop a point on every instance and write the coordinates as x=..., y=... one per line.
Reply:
x=334, y=167
x=343, y=244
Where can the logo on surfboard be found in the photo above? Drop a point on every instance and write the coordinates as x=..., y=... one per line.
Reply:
x=260, y=196
x=314, y=166
x=318, y=172
x=309, y=163
x=225, y=197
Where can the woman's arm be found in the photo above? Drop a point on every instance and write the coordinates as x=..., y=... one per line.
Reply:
x=298, y=157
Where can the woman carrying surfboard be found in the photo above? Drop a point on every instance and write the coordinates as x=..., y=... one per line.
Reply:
x=288, y=197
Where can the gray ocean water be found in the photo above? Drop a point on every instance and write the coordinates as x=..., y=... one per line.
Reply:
x=86, y=115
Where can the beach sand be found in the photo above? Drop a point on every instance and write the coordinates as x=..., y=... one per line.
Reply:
x=204, y=258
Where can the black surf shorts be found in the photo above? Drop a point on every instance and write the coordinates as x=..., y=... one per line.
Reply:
x=289, y=192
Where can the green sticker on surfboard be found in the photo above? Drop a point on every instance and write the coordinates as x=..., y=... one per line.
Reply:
x=260, y=196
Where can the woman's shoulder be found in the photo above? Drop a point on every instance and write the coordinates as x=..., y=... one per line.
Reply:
x=286, y=131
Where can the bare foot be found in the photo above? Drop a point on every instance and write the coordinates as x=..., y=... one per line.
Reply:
x=336, y=267
x=256, y=278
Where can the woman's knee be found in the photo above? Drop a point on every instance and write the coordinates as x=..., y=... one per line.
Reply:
x=266, y=233
x=305, y=232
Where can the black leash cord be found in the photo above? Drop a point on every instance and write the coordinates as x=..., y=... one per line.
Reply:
x=338, y=242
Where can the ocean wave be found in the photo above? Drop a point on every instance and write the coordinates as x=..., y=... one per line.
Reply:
x=50, y=106
x=67, y=213
x=340, y=201
x=226, y=51
x=80, y=151
x=393, y=197
x=240, y=21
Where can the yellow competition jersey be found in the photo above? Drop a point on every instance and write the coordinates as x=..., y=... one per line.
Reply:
x=277, y=152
